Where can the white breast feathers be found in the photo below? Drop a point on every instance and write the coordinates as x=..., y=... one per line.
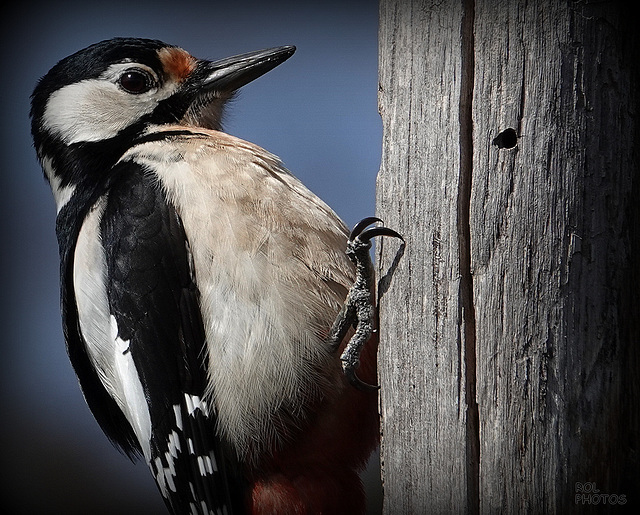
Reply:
x=270, y=266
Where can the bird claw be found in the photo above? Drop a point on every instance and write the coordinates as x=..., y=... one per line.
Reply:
x=362, y=225
x=358, y=310
x=349, y=369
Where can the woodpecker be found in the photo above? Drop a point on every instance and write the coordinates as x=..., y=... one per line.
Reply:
x=207, y=294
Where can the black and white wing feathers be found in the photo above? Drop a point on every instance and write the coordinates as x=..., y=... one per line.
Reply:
x=159, y=345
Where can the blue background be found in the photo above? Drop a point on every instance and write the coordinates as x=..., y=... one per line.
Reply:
x=317, y=111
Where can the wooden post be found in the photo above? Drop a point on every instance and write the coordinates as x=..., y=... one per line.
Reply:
x=510, y=332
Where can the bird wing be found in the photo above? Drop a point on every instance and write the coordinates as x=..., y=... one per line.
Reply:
x=157, y=363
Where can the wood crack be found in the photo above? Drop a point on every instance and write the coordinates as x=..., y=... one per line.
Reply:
x=467, y=308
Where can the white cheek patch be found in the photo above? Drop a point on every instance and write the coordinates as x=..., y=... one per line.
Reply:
x=91, y=110
x=97, y=109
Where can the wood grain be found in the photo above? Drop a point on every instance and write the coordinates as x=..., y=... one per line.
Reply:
x=518, y=287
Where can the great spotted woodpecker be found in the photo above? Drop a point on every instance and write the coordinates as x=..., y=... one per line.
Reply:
x=200, y=281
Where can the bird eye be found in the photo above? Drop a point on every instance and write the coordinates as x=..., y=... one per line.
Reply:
x=135, y=82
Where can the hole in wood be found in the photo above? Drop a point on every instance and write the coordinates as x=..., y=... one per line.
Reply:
x=508, y=138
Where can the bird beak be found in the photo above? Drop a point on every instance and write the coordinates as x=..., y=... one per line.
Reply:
x=231, y=73
x=214, y=82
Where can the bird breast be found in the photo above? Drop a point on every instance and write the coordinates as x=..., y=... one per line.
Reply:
x=270, y=266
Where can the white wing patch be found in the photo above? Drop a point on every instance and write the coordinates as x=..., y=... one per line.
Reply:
x=135, y=404
x=108, y=352
x=89, y=269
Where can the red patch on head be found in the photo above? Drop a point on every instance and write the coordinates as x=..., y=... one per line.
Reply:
x=177, y=63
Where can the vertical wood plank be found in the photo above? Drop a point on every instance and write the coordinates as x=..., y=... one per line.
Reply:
x=424, y=440
x=551, y=262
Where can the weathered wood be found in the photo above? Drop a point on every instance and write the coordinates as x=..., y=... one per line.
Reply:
x=422, y=355
x=510, y=163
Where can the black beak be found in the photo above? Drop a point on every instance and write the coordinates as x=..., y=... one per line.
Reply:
x=232, y=73
x=213, y=83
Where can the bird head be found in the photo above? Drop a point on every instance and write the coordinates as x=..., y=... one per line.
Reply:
x=96, y=102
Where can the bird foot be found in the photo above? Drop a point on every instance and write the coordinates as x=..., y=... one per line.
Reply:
x=358, y=310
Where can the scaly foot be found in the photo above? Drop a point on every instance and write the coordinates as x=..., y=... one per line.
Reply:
x=358, y=310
